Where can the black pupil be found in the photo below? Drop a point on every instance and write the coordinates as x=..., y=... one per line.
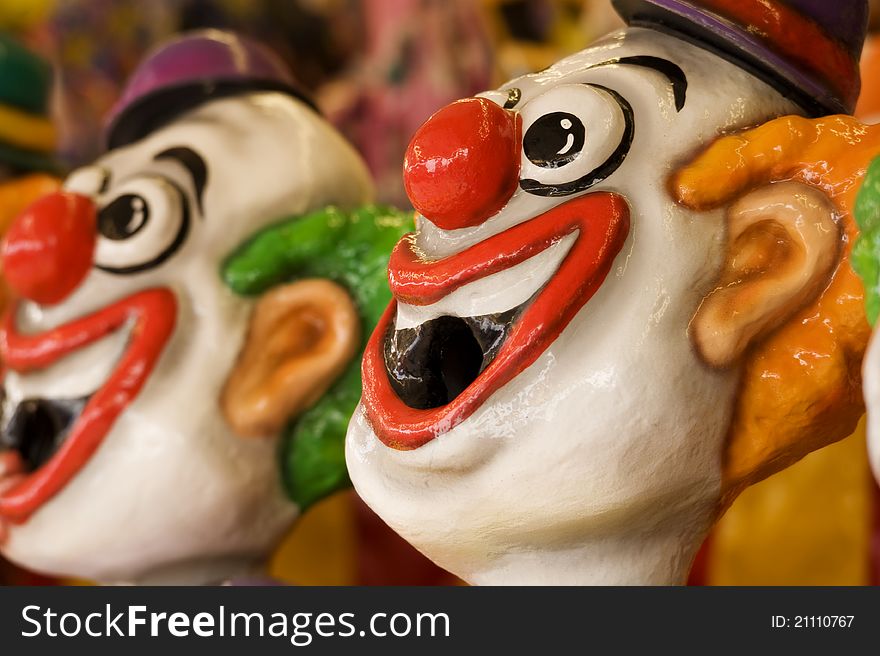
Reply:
x=554, y=140
x=124, y=217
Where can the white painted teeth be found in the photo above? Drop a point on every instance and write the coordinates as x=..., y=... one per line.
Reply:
x=493, y=294
x=74, y=376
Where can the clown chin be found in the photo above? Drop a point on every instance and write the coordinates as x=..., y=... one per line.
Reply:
x=166, y=541
x=534, y=488
x=513, y=496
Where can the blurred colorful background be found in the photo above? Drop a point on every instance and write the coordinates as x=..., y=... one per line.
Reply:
x=378, y=69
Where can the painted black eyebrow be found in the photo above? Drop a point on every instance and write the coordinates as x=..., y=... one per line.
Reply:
x=194, y=164
x=105, y=181
x=669, y=70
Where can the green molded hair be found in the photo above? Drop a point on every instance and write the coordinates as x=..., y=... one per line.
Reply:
x=349, y=248
x=866, y=252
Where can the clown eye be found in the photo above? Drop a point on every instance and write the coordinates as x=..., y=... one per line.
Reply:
x=124, y=217
x=145, y=222
x=554, y=140
x=576, y=135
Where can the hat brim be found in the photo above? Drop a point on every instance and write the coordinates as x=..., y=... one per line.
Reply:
x=30, y=161
x=731, y=42
x=157, y=109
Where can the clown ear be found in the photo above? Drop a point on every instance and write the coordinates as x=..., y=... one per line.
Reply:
x=783, y=242
x=301, y=338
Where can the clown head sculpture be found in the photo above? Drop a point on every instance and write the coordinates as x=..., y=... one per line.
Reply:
x=159, y=349
x=556, y=394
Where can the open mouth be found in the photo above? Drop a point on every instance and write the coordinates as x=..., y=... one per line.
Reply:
x=45, y=442
x=421, y=382
x=38, y=428
x=429, y=366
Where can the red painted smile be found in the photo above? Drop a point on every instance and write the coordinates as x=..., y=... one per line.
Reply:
x=601, y=221
x=151, y=315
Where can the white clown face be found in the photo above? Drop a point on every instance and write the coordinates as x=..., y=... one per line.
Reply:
x=607, y=438
x=170, y=492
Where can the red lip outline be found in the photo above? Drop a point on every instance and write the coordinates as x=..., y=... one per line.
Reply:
x=154, y=313
x=602, y=220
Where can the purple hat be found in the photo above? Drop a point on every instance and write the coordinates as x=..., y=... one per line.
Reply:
x=185, y=72
x=807, y=49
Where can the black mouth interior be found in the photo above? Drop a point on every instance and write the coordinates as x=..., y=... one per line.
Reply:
x=38, y=427
x=430, y=365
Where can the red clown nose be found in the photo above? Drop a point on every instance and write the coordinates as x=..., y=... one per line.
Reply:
x=462, y=166
x=48, y=250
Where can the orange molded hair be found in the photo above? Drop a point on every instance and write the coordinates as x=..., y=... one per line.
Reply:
x=801, y=387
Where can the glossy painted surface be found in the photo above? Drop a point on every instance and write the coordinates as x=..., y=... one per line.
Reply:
x=302, y=336
x=783, y=241
x=807, y=525
x=801, y=387
x=600, y=222
x=463, y=164
x=49, y=249
x=17, y=194
x=193, y=65
x=768, y=37
x=171, y=492
x=350, y=248
x=151, y=317
x=27, y=137
x=786, y=26
x=813, y=523
x=601, y=461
